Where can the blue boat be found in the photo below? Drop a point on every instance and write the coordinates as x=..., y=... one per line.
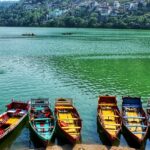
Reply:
x=135, y=124
x=41, y=120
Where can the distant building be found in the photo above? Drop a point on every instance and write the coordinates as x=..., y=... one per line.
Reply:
x=7, y=3
x=133, y=6
x=56, y=13
x=105, y=10
x=116, y=5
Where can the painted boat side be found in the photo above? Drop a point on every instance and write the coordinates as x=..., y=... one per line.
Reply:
x=105, y=101
x=132, y=139
x=45, y=141
x=13, y=128
x=62, y=133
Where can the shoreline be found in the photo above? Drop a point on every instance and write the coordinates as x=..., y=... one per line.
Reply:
x=76, y=27
x=88, y=147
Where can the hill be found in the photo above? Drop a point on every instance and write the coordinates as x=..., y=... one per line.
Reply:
x=78, y=13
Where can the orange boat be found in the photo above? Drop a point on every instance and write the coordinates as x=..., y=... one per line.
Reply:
x=13, y=117
x=108, y=117
x=68, y=120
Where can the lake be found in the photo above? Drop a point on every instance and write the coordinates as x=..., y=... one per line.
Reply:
x=81, y=65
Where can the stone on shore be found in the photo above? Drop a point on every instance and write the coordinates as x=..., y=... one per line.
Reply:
x=88, y=147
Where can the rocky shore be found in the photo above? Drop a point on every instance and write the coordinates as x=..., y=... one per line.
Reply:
x=88, y=147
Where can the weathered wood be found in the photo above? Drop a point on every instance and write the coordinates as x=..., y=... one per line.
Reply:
x=71, y=127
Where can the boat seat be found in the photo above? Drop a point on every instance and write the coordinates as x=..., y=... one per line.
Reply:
x=134, y=125
x=133, y=117
x=41, y=119
x=62, y=107
x=71, y=127
x=138, y=132
x=110, y=127
x=68, y=119
x=116, y=116
x=11, y=111
x=109, y=104
x=108, y=119
x=112, y=124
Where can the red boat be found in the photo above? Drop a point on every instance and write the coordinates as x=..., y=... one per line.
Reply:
x=68, y=120
x=13, y=117
x=108, y=117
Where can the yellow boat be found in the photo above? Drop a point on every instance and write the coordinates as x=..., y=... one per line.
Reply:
x=68, y=120
x=108, y=116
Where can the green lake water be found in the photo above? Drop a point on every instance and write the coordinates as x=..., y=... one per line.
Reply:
x=82, y=66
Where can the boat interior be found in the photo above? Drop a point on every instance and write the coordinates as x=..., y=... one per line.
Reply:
x=42, y=120
x=68, y=118
x=110, y=118
x=134, y=121
x=69, y=122
x=12, y=116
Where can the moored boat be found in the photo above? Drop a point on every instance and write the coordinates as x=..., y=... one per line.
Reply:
x=148, y=116
x=69, y=123
x=41, y=120
x=108, y=117
x=14, y=116
x=148, y=112
x=135, y=124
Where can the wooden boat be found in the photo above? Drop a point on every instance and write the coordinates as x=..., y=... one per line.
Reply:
x=41, y=120
x=135, y=124
x=148, y=116
x=28, y=34
x=108, y=117
x=148, y=112
x=68, y=120
x=13, y=117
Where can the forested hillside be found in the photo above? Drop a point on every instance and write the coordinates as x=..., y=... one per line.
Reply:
x=77, y=13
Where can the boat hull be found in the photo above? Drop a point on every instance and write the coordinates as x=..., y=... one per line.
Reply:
x=68, y=118
x=110, y=139
x=108, y=119
x=38, y=138
x=132, y=140
x=21, y=123
x=132, y=109
x=63, y=135
x=41, y=121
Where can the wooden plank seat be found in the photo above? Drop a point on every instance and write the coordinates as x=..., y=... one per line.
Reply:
x=112, y=124
x=42, y=119
x=110, y=116
x=74, y=133
x=69, y=127
x=44, y=127
x=105, y=104
x=62, y=107
x=134, y=117
x=138, y=132
x=11, y=111
x=109, y=129
x=134, y=125
x=68, y=119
